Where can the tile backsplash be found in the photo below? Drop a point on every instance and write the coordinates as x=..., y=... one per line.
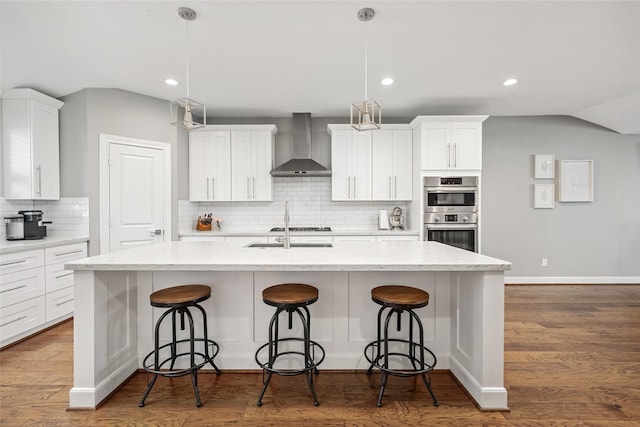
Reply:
x=68, y=215
x=310, y=205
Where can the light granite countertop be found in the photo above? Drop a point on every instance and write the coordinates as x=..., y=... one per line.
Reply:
x=343, y=256
x=55, y=239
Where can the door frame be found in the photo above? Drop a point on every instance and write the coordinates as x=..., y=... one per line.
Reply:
x=105, y=141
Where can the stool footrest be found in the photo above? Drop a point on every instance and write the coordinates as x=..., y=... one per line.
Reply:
x=374, y=358
x=313, y=347
x=149, y=365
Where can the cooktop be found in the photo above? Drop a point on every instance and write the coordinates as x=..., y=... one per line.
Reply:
x=302, y=229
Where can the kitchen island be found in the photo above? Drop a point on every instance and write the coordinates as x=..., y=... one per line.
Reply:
x=463, y=323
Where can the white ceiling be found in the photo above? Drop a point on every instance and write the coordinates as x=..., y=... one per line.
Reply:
x=272, y=58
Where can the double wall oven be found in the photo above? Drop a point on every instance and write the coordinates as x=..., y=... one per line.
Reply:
x=451, y=211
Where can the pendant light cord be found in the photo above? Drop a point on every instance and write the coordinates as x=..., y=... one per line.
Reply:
x=187, y=21
x=365, y=61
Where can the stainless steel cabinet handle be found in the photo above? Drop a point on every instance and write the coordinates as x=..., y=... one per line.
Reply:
x=58, y=304
x=13, y=289
x=348, y=187
x=14, y=321
x=455, y=155
x=207, y=187
x=20, y=261
x=248, y=196
x=395, y=187
x=390, y=194
x=213, y=188
x=253, y=192
x=64, y=275
x=39, y=169
x=354, y=187
x=77, y=251
x=449, y=152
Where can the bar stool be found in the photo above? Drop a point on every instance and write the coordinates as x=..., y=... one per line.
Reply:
x=178, y=300
x=290, y=298
x=399, y=299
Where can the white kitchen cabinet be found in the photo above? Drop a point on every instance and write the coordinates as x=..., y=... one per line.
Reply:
x=35, y=290
x=30, y=141
x=251, y=163
x=449, y=142
x=209, y=165
x=350, y=163
x=392, y=172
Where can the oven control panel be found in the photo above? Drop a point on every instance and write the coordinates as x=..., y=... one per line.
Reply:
x=445, y=218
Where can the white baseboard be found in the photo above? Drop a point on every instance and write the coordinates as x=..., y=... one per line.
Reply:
x=577, y=280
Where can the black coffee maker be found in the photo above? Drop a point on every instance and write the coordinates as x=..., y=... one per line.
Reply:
x=34, y=227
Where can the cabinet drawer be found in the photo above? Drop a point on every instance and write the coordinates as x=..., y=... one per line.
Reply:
x=65, y=253
x=21, y=317
x=57, y=277
x=21, y=286
x=10, y=263
x=59, y=303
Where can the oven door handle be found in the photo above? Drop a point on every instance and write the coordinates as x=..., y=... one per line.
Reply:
x=452, y=227
x=450, y=190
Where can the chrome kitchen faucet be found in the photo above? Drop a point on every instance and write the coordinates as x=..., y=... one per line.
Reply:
x=286, y=239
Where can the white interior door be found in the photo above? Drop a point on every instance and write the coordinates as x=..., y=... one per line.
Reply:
x=135, y=192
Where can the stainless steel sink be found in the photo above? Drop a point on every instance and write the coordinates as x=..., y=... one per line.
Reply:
x=293, y=245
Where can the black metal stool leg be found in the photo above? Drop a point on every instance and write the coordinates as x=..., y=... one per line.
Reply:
x=307, y=358
x=192, y=345
x=422, y=364
x=156, y=355
x=205, y=339
x=273, y=351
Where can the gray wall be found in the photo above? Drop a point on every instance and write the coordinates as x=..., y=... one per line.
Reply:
x=114, y=112
x=601, y=238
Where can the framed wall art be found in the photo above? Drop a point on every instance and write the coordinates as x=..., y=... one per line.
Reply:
x=543, y=166
x=543, y=196
x=575, y=180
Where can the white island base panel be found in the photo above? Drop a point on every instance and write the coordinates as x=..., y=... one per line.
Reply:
x=463, y=323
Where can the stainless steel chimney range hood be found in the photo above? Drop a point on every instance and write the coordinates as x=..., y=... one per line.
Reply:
x=301, y=163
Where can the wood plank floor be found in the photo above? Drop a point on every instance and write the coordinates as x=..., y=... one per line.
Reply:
x=572, y=358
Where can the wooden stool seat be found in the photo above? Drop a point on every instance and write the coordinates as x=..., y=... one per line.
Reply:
x=180, y=295
x=398, y=296
x=291, y=294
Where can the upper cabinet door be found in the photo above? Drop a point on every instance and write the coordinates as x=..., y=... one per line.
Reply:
x=392, y=165
x=350, y=164
x=210, y=166
x=252, y=161
x=30, y=139
x=402, y=165
x=436, y=146
x=360, y=162
x=449, y=142
x=466, y=139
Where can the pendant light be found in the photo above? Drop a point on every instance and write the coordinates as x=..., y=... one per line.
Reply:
x=193, y=110
x=366, y=115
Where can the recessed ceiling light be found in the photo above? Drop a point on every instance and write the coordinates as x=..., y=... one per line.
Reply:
x=387, y=81
x=510, y=82
x=171, y=82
